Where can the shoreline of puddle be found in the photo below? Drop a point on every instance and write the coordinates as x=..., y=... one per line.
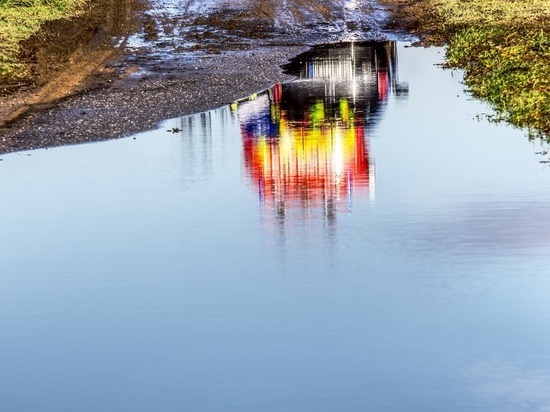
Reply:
x=161, y=74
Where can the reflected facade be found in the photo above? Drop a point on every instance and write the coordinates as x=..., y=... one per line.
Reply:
x=305, y=143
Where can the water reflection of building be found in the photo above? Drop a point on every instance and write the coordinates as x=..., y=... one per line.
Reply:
x=305, y=144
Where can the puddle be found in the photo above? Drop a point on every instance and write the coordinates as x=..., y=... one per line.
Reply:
x=354, y=240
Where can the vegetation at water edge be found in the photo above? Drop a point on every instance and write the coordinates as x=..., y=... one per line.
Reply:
x=504, y=46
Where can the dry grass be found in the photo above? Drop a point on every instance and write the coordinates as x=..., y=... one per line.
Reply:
x=460, y=13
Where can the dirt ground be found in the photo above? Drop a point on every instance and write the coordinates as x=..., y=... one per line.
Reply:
x=127, y=65
x=65, y=53
x=415, y=16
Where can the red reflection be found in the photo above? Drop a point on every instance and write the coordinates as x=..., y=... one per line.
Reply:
x=306, y=161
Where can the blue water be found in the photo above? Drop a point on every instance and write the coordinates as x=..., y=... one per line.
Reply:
x=355, y=241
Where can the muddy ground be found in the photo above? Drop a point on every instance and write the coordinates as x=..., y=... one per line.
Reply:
x=127, y=65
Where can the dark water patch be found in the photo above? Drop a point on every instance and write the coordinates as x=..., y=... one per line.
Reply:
x=361, y=75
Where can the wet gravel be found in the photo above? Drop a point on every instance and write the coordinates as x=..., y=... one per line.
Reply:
x=191, y=56
x=132, y=105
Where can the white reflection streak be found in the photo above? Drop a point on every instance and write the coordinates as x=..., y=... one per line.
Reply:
x=353, y=77
x=372, y=182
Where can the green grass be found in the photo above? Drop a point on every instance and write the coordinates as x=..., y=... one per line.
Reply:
x=504, y=46
x=19, y=20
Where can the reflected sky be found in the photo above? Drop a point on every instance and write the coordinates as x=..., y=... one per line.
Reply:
x=160, y=272
x=522, y=387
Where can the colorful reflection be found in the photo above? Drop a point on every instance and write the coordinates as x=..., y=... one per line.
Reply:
x=305, y=142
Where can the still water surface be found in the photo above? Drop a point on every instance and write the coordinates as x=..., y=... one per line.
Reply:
x=353, y=241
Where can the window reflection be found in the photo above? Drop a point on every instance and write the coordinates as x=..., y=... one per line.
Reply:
x=305, y=143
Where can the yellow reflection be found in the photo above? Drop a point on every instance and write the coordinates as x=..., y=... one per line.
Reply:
x=307, y=162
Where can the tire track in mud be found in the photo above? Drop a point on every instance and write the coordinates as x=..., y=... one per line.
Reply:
x=93, y=40
x=175, y=27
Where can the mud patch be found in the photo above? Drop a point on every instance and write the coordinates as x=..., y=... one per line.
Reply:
x=64, y=53
x=411, y=16
x=52, y=48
